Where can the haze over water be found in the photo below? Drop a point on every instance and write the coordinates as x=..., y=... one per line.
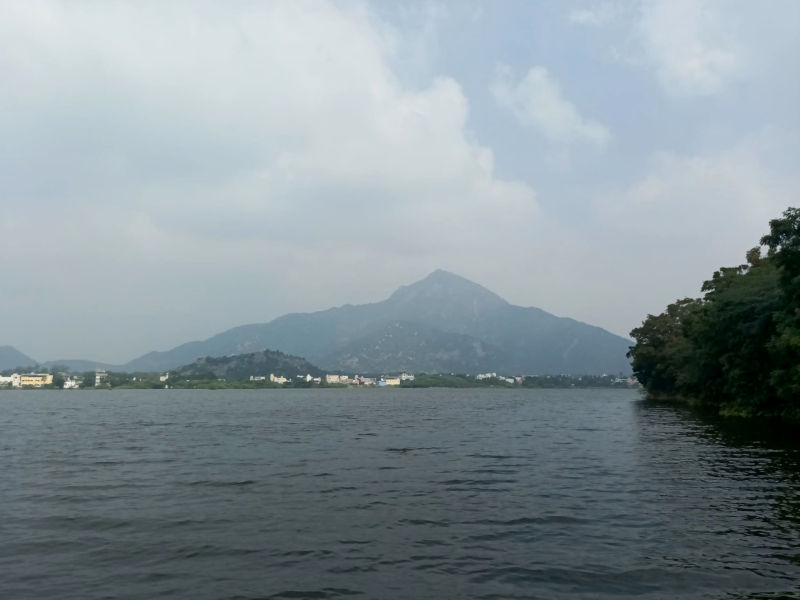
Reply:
x=389, y=494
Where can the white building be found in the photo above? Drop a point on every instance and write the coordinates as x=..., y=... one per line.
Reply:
x=13, y=380
x=71, y=383
x=332, y=379
x=277, y=379
x=100, y=378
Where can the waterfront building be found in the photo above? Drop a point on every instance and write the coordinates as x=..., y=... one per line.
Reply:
x=36, y=380
x=13, y=380
x=100, y=378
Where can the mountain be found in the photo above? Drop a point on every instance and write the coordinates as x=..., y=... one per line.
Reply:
x=11, y=358
x=78, y=365
x=414, y=348
x=443, y=323
x=242, y=366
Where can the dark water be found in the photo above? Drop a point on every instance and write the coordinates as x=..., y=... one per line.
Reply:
x=389, y=494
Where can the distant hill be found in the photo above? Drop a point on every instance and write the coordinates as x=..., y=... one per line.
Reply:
x=11, y=358
x=78, y=366
x=443, y=323
x=242, y=366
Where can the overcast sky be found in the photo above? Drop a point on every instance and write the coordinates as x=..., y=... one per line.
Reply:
x=172, y=169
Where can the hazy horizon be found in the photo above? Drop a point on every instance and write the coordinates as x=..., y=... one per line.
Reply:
x=171, y=170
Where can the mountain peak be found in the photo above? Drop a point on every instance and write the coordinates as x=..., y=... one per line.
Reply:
x=445, y=280
x=440, y=275
x=444, y=295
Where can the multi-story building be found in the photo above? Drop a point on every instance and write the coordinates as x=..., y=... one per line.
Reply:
x=13, y=380
x=100, y=378
x=36, y=380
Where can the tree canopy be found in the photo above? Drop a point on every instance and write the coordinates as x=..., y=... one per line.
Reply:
x=736, y=349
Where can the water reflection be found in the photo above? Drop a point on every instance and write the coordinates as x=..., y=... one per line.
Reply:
x=738, y=479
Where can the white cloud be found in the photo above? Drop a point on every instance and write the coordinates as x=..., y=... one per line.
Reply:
x=729, y=195
x=201, y=148
x=687, y=217
x=690, y=45
x=191, y=166
x=536, y=101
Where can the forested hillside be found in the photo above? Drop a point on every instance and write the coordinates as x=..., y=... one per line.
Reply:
x=243, y=366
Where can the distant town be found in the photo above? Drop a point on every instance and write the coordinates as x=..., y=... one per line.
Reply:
x=113, y=380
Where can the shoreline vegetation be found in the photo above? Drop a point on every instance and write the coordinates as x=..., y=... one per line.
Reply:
x=736, y=350
x=141, y=381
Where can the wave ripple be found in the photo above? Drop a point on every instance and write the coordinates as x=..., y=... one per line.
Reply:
x=425, y=494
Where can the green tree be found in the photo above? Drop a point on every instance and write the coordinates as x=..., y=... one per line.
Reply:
x=732, y=333
x=783, y=242
x=738, y=347
x=662, y=357
x=58, y=381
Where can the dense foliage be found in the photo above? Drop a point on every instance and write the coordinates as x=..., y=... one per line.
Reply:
x=242, y=366
x=452, y=380
x=736, y=349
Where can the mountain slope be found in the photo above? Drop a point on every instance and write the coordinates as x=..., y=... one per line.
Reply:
x=520, y=340
x=411, y=347
x=441, y=296
x=78, y=365
x=537, y=342
x=11, y=358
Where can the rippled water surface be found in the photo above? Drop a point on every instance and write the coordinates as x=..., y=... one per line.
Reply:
x=390, y=494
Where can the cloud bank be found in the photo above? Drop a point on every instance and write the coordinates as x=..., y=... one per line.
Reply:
x=170, y=170
x=187, y=145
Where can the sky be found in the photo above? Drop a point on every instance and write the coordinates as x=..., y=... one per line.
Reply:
x=171, y=169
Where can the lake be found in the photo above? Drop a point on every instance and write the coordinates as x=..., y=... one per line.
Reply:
x=390, y=493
